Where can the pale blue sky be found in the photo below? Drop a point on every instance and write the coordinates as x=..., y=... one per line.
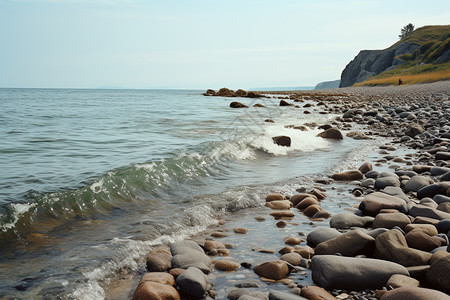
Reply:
x=195, y=44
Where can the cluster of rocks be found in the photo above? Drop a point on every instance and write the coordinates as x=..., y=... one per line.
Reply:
x=225, y=92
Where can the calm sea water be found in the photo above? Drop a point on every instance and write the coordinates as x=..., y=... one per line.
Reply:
x=90, y=180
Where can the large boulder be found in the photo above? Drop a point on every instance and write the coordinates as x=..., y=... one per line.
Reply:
x=272, y=269
x=414, y=129
x=434, y=189
x=236, y=104
x=338, y=272
x=224, y=92
x=332, y=133
x=351, y=243
x=414, y=293
x=373, y=203
x=425, y=211
x=392, y=246
x=346, y=220
x=418, y=239
x=316, y=293
x=193, y=283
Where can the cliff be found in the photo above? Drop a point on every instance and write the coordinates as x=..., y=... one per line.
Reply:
x=429, y=44
x=327, y=85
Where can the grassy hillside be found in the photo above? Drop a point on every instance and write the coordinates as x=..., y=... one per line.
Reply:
x=423, y=64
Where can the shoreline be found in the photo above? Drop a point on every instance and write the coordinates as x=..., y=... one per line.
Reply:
x=341, y=103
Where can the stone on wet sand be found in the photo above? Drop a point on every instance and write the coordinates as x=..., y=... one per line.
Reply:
x=373, y=203
x=321, y=234
x=338, y=272
x=226, y=265
x=389, y=220
x=392, y=246
x=348, y=175
x=414, y=293
x=272, y=269
x=351, y=243
x=347, y=220
x=193, y=283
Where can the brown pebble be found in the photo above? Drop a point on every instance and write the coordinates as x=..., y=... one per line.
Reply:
x=266, y=251
x=293, y=241
x=219, y=234
x=281, y=224
x=260, y=219
x=273, y=197
x=240, y=230
x=286, y=249
x=225, y=265
x=176, y=271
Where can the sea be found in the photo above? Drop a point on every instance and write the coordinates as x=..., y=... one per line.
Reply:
x=92, y=179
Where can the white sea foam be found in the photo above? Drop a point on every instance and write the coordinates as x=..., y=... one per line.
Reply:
x=19, y=209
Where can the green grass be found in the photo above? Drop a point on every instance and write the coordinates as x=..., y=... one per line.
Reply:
x=426, y=34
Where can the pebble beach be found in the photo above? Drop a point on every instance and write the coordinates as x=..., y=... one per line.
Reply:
x=379, y=230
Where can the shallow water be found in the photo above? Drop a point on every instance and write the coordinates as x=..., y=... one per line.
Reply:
x=93, y=179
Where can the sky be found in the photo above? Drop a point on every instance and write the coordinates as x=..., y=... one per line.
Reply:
x=195, y=44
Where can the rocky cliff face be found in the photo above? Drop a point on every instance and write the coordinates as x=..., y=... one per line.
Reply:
x=328, y=85
x=372, y=62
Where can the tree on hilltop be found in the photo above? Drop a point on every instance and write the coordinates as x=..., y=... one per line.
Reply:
x=406, y=30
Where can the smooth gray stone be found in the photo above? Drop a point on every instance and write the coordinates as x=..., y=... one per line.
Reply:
x=321, y=234
x=338, y=272
x=347, y=220
x=416, y=183
x=383, y=182
x=387, y=174
x=437, y=171
x=193, y=282
x=441, y=199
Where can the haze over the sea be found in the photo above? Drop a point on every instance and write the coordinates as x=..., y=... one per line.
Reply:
x=195, y=44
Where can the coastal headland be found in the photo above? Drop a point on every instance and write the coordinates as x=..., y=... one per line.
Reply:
x=379, y=230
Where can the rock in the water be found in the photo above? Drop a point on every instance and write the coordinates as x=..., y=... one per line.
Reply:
x=287, y=214
x=351, y=243
x=332, y=133
x=348, y=175
x=392, y=246
x=365, y=167
x=236, y=104
x=272, y=269
x=414, y=293
x=240, y=230
x=279, y=204
x=321, y=234
x=159, y=260
x=347, y=220
x=438, y=274
x=226, y=265
x=285, y=103
x=194, y=283
x=293, y=241
x=188, y=253
x=282, y=140
x=242, y=293
x=338, y=272
x=373, y=203
x=308, y=201
x=389, y=220
x=273, y=197
x=292, y=258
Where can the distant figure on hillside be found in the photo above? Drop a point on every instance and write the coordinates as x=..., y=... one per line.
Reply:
x=400, y=82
